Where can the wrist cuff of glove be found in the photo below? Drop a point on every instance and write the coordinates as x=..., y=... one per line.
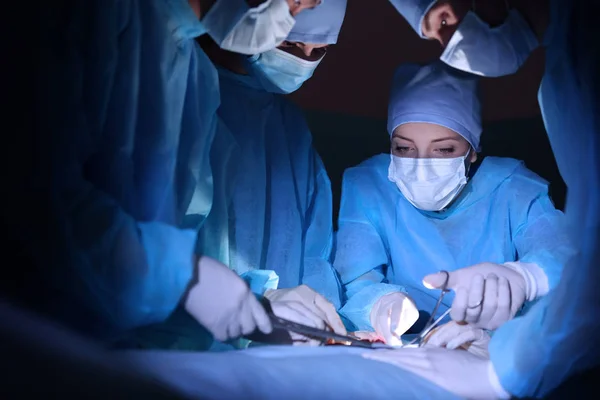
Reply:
x=261, y=281
x=536, y=281
x=382, y=303
x=495, y=383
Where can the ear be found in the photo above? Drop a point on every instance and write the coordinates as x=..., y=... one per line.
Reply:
x=442, y=19
x=473, y=156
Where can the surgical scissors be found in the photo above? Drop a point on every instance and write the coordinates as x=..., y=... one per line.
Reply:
x=283, y=327
x=324, y=335
x=431, y=324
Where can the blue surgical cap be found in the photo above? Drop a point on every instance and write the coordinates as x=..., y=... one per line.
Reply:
x=436, y=94
x=414, y=11
x=319, y=25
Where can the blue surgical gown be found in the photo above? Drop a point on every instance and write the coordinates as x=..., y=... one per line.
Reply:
x=385, y=244
x=214, y=235
x=127, y=101
x=271, y=210
x=559, y=336
x=280, y=207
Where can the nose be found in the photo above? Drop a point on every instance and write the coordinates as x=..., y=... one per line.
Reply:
x=440, y=23
x=423, y=153
x=307, y=49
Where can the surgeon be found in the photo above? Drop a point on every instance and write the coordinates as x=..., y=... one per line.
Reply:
x=126, y=117
x=271, y=215
x=429, y=206
x=281, y=201
x=557, y=338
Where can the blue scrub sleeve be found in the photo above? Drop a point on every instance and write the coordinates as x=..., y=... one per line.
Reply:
x=261, y=280
x=542, y=238
x=135, y=273
x=87, y=246
x=359, y=257
x=558, y=337
x=362, y=294
x=359, y=247
x=319, y=273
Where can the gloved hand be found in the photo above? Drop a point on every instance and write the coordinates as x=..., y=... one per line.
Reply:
x=459, y=372
x=487, y=294
x=392, y=315
x=452, y=336
x=312, y=300
x=367, y=335
x=297, y=312
x=222, y=302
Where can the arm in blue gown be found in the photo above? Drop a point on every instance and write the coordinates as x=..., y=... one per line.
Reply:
x=558, y=337
x=104, y=269
x=360, y=256
x=319, y=273
x=540, y=236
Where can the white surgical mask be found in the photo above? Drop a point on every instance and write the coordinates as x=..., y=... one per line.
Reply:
x=479, y=49
x=240, y=29
x=429, y=184
x=279, y=71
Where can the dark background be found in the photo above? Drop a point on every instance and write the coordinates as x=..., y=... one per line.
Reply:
x=346, y=100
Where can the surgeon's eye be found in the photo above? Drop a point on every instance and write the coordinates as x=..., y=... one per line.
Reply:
x=401, y=149
x=447, y=151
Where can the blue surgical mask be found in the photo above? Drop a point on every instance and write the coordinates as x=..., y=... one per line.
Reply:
x=280, y=72
x=479, y=49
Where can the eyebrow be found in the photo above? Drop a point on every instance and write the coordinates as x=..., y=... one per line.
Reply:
x=433, y=141
x=444, y=139
x=402, y=137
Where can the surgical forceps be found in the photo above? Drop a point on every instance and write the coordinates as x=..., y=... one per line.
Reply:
x=431, y=324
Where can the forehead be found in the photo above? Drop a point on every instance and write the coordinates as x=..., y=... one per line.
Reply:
x=425, y=132
x=321, y=24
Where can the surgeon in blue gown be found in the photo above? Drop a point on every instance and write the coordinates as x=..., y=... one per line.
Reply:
x=278, y=215
x=557, y=338
x=280, y=209
x=126, y=118
x=428, y=207
x=271, y=219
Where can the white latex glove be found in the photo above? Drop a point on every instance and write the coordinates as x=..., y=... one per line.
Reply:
x=487, y=294
x=453, y=336
x=460, y=372
x=222, y=302
x=311, y=300
x=392, y=315
x=367, y=335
